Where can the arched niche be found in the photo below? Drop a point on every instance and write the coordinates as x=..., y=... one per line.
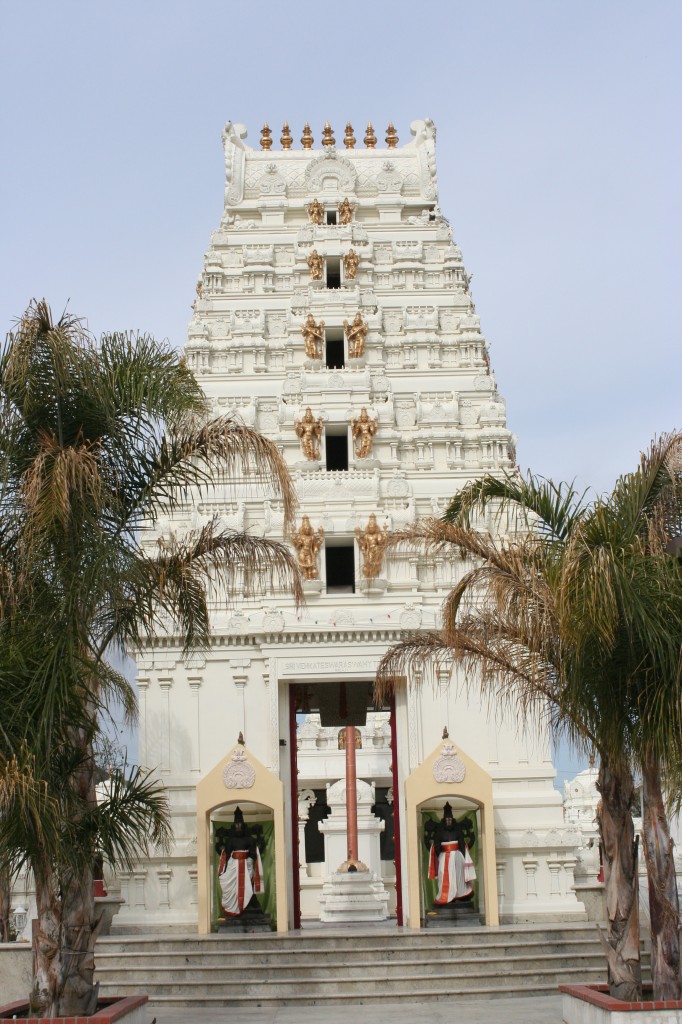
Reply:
x=449, y=772
x=239, y=777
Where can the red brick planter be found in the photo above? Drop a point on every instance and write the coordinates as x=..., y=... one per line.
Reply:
x=602, y=1007
x=127, y=1010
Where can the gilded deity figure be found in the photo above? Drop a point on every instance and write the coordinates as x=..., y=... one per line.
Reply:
x=316, y=264
x=316, y=212
x=372, y=543
x=345, y=211
x=363, y=429
x=351, y=262
x=307, y=544
x=357, y=336
x=313, y=336
x=309, y=430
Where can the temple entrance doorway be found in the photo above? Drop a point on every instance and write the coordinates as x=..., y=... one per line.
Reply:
x=346, y=849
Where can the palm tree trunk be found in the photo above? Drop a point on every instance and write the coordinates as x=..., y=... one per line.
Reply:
x=664, y=910
x=5, y=901
x=78, y=997
x=617, y=831
x=48, y=962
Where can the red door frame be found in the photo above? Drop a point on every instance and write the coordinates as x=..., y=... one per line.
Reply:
x=396, y=816
x=293, y=763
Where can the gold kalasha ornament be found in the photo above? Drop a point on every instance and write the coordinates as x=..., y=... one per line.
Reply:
x=265, y=140
x=328, y=135
x=370, y=138
x=307, y=137
x=391, y=136
x=286, y=138
x=349, y=139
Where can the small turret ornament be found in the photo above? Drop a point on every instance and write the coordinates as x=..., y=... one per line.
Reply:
x=265, y=140
x=349, y=139
x=391, y=136
x=370, y=138
x=307, y=137
x=328, y=135
x=286, y=138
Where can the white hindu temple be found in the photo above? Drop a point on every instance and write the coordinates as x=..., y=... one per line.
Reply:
x=333, y=313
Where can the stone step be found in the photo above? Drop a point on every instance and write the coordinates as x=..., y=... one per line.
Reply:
x=293, y=958
x=351, y=970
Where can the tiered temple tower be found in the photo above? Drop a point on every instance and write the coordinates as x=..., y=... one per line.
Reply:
x=333, y=313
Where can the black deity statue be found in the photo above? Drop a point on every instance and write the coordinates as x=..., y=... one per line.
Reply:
x=240, y=870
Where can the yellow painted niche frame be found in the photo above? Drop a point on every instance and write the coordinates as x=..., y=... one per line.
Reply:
x=477, y=787
x=212, y=793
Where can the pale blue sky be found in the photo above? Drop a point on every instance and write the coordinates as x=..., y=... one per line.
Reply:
x=559, y=163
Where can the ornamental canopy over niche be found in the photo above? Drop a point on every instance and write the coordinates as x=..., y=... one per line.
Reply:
x=330, y=172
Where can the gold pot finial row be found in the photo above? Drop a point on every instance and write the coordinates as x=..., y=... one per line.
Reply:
x=349, y=140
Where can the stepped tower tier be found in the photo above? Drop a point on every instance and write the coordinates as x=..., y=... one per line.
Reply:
x=333, y=313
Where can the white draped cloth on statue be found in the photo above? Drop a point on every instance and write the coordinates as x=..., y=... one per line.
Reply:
x=240, y=877
x=455, y=872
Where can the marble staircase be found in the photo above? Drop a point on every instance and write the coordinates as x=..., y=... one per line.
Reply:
x=374, y=965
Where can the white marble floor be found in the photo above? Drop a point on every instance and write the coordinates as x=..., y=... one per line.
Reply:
x=531, y=1010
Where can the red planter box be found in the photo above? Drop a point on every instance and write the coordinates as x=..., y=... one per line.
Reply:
x=111, y=1009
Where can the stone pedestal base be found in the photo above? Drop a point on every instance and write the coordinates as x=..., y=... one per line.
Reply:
x=353, y=896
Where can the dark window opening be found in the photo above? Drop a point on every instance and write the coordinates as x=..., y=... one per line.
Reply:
x=331, y=216
x=340, y=569
x=333, y=273
x=337, y=451
x=334, y=349
x=314, y=839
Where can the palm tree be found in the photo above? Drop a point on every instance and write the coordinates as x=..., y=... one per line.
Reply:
x=577, y=618
x=95, y=441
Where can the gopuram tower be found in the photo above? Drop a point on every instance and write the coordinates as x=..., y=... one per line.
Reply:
x=333, y=314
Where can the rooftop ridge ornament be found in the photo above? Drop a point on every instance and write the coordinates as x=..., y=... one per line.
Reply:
x=328, y=135
x=370, y=139
x=391, y=136
x=307, y=137
x=265, y=140
x=349, y=139
x=286, y=137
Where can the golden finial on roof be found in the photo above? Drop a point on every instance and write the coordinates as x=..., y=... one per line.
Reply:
x=446, y=734
x=349, y=139
x=265, y=140
x=241, y=740
x=307, y=137
x=391, y=136
x=328, y=135
x=370, y=138
x=285, y=137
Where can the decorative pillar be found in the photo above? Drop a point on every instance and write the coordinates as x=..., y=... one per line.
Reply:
x=165, y=741
x=193, y=895
x=530, y=865
x=554, y=865
x=195, y=718
x=500, y=869
x=142, y=686
x=140, y=876
x=164, y=874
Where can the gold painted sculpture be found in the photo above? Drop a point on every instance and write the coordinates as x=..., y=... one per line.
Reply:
x=316, y=264
x=372, y=544
x=316, y=212
x=345, y=211
x=286, y=138
x=351, y=262
x=309, y=430
x=265, y=140
x=307, y=544
x=349, y=139
x=357, y=336
x=307, y=137
x=313, y=337
x=363, y=429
